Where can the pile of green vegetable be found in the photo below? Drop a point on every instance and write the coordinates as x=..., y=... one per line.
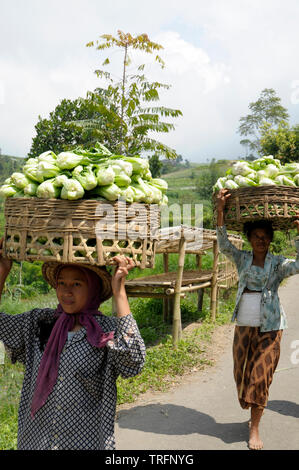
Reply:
x=89, y=174
x=265, y=171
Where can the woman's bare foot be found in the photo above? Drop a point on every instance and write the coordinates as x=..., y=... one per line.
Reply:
x=255, y=442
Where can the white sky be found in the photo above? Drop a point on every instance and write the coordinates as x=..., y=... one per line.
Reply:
x=219, y=56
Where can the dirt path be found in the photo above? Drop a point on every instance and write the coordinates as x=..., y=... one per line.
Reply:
x=202, y=412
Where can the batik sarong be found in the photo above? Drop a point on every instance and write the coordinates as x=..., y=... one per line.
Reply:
x=256, y=355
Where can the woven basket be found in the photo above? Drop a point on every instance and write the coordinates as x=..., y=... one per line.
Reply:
x=69, y=231
x=275, y=203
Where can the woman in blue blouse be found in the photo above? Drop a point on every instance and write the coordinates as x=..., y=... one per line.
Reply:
x=258, y=312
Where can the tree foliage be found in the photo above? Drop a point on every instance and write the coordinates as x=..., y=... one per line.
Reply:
x=58, y=132
x=281, y=142
x=155, y=166
x=129, y=104
x=266, y=110
x=206, y=180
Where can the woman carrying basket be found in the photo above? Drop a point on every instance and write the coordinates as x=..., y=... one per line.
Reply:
x=73, y=356
x=258, y=312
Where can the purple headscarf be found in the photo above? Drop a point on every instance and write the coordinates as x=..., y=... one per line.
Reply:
x=48, y=369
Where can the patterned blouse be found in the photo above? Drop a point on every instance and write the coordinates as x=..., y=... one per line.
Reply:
x=79, y=413
x=256, y=278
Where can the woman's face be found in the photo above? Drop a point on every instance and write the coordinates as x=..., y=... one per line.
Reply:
x=260, y=241
x=72, y=290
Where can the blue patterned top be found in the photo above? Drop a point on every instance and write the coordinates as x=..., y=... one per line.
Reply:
x=276, y=268
x=256, y=278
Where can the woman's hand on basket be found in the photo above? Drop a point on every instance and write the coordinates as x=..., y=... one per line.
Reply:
x=222, y=196
x=5, y=264
x=123, y=265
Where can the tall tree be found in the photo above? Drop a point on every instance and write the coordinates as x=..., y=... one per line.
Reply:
x=267, y=109
x=128, y=104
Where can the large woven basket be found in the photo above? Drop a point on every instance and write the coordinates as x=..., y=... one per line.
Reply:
x=275, y=203
x=72, y=231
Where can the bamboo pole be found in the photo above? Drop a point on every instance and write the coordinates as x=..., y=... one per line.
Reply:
x=165, y=300
x=214, y=285
x=200, y=299
x=189, y=288
x=198, y=262
x=156, y=295
x=177, y=324
x=200, y=292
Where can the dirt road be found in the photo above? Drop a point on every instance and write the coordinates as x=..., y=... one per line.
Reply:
x=203, y=413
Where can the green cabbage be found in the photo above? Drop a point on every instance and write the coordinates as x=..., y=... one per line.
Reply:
x=48, y=156
x=31, y=189
x=111, y=192
x=30, y=170
x=138, y=193
x=85, y=176
x=241, y=168
x=148, y=192
x=296, y=179
x=46, y=170
x=121, y=166
x=72, y=190
x=164, y=200
x=264, y=181
x=105, y=175
x=160, y=184
x=284, y=181
x=243, y=181
x=128, y=194
x=61, y=179
x=139, y=165
x=48, y=190
x=68, y=160
x=290, y=169
x=122, y=180
x=261, y=163
x=230, y=184
x=8, y=190
x=157, y=193
x=271, y=170
x=19, y=180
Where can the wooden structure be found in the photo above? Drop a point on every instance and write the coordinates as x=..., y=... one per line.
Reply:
x=171, y=286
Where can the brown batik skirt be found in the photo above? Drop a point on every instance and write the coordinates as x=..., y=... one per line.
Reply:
x=256, y=355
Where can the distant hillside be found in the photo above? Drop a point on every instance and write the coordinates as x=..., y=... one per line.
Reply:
x=8, y=165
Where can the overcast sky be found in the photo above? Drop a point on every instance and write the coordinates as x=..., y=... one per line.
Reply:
x=219, y=54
